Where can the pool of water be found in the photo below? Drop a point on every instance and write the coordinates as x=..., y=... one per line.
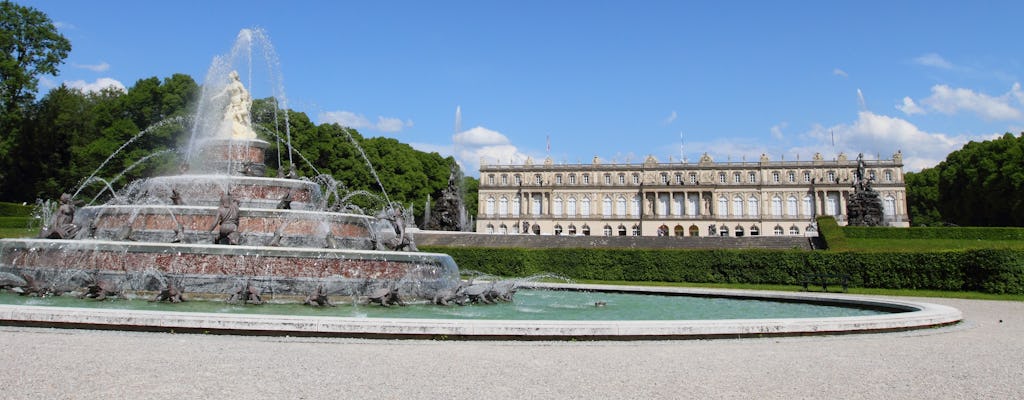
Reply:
x=528, y=305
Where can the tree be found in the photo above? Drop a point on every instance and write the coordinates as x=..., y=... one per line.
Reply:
x=30, y=46
x=982, y=184
x=923, y=197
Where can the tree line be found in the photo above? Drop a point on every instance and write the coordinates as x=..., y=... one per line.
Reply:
x=50, y=144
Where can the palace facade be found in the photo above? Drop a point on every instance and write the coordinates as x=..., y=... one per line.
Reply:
x=706, y=198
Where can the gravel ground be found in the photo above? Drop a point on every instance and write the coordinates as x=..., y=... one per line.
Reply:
x=980, y=358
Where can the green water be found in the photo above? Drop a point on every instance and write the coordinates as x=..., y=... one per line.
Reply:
x=527, y=305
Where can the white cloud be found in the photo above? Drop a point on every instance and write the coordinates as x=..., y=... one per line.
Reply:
x=479, y=143
x=947, y=100
x=101, y=67
x=909, y=107
x=777, y=131
x=98, y=85
x=933, y=60
x=671, y=118
x=359, y=121
x=839, y=72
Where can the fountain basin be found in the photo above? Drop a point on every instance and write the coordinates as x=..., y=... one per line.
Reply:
x=251, y=191
x=219, y=269
x=906, y=315
x=295, y=228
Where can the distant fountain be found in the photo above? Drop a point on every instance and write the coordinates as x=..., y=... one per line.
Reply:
x=449, y=212
x=221, y=227
x=865, y=205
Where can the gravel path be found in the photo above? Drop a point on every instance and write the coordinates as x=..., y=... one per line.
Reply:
x=980, y=358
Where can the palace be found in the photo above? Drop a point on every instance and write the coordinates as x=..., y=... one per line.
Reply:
x=706, y=198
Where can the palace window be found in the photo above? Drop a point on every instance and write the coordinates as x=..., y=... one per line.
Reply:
x=791, y=206
x=737, y=206
x=503, y=206
x=622, y=179
x=736, y=177
x=775, y=177
x=489, y=208
x=586, y=179
x=807, y=177
x=558, y=179
x=636, y=179
x=585, y=207
x=721, y=177
x=778, y=230
x=752, y=177
x=557, y=212
x=536, y=179
x=831, y=177
x=752, y=206
x=620, y=207
x=693, y=178
x=570, y=208
x=519, y=180
x=791, y=176
x=607, y=179
x=808, y=205
x=504, y=180
x=888, y=176
x=607, y=230
x=793, y=230
x=622, y=230
x=490, y=179
x=636, y=230
x=664, y=179
x=776, y=206
x=606, y=209
x=572, y=179
x=635, y=205
x=679, y=179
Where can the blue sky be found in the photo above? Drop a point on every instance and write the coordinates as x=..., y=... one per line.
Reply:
x=616, y=80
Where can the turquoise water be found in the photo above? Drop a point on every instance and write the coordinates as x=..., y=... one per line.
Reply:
x=527, y=305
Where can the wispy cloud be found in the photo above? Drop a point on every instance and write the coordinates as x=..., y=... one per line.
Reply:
x=776, y=130
x=909, y=107
x=97, y=85
x=933, y=60
x=101, y=67
x=359, y=121
x=839, y=72
x=671, y=118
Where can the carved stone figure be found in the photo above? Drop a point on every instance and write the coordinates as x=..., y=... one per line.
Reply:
x=864, y=208
x=318, y=298
x=62, y=226
x=449, y=212
x=236, y=116
x=386, y=296
x=227, y=219
x=247, y=294
x=402, y=240
x=170, y=293
x=99, y=289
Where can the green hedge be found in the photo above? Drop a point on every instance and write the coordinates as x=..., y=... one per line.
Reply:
x=991, y=271
x=958, y=233
x=16, y=210
x=831, y=234
x=15, y=222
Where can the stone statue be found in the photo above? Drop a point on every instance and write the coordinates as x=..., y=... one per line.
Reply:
x=402, y=240
x=227, y=219
x=237, y=123
x=449, y=212
x=62, y=226
x=864, y=208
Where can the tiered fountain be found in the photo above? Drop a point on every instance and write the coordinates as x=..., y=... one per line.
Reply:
x=221, y=226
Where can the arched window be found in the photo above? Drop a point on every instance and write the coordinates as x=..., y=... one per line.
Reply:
x=778, y=230
x=723, y=230
x=607, y=230
x=737, y=206
x=585, y=230
x=793, y=230
x=585, y=207
x=755, y=231
x=489, y=209
x=516, y=205
x=753, y=209
x=503, y=229
x=739, y=231
x=775, y=177
x=680, y=231
x=723, y=206
x=694, y=231
x=503, y=206
x=536, y=204
x=620, y=207
x=791, y=206
x=622, y=230
x=776, y=206
x=606, y=209
x=634, y=205
x=490, y=228
x=536, y=229
x=636, y=230
x=557, y=212
x=572, y=229
x=558, y=230
x=832, y=204
x=570, y=208
x=808, y=206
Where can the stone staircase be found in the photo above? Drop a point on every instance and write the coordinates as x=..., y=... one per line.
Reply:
x=464, y=239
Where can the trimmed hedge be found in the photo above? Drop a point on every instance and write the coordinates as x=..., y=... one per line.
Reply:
x=988, y=270
x=15, y=210
x=958, y=233
x=15, y=222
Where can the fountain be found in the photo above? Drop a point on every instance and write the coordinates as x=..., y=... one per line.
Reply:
x=221, y=227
